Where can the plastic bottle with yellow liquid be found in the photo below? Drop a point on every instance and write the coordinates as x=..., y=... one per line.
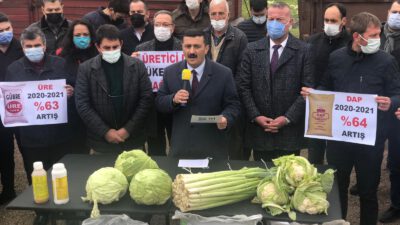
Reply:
x=60, y=184
x=39, y=184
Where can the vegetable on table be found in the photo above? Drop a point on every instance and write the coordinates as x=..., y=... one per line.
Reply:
x=151, y=187
x=207, y=190
x=134, y=161
x=105, y=186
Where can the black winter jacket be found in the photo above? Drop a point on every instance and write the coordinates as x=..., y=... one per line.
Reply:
x=231, y=52
x=96, y=109
x=98, y=18
x=253, y=31
x=349, y=71
x=131, y=41
x=322, y=46
x=53, y=41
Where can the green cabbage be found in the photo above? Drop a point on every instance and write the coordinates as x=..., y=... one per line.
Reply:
x=310, y=198
x=105, y=186
x=151, y=187
x=295, y=169
x=134, y=161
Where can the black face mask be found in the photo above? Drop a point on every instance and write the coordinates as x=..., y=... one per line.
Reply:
x=137, y=20
x=54, y=18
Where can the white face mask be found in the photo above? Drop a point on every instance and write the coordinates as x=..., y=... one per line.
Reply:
x=259, y=19
x=218, y=25
x=331, y=29
x=111, y=56
x=162, y=33
x=372, y=46
x=192, y=4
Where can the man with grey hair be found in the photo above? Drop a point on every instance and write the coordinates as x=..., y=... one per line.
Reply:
x=362, y=68
x=227, y=44
x=46, y=143
x=273, y=71
x=53, y=24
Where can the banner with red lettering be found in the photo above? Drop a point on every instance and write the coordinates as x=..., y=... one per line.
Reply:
x=157, y=61
x=339, y=116
x=33, y=103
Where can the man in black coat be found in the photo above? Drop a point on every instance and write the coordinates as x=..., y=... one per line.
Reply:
x=160, y=124
x=227, y=44
x=114, y=14
x=140, y=31
x=113, y=96
x=390, y=43
x=255, y=27
x=212, y=92
x=273, y=71
x=53, y=24
x=335, y=36
x=10, y=51
x=362, y=68
x=46, y=143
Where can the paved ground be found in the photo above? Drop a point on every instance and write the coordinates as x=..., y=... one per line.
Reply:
x=11, y=217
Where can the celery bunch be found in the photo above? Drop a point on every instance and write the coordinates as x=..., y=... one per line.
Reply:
x=207, y=190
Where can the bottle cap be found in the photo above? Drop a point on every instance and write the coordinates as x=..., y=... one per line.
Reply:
x=58, y=166
x=37, y=165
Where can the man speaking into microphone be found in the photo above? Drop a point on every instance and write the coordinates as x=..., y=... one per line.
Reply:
x=211, y=92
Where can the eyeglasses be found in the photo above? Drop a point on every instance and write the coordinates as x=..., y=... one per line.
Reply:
x=162, y=24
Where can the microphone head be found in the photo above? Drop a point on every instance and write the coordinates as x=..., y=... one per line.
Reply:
x=186, y=74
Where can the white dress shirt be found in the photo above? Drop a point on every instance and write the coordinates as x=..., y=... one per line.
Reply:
x=199, y=70
x=280, y=50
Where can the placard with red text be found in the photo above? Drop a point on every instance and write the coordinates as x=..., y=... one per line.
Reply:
x=353, y=117
x=33, y=103
x=156, y=62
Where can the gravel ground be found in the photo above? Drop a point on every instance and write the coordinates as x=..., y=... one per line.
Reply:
x=15, y=217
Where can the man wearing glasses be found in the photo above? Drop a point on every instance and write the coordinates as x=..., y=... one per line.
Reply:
x=113, y=96
x=160, y=123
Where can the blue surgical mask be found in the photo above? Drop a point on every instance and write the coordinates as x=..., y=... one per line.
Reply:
x=81, y=42
x=275, y=29
x=34, y=55
x=394, y=21
x=6, y=37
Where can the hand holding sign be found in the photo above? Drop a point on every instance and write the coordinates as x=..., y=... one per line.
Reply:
x=383, y=103
x=347, y=117
x=34, y=102
x=70, y=90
